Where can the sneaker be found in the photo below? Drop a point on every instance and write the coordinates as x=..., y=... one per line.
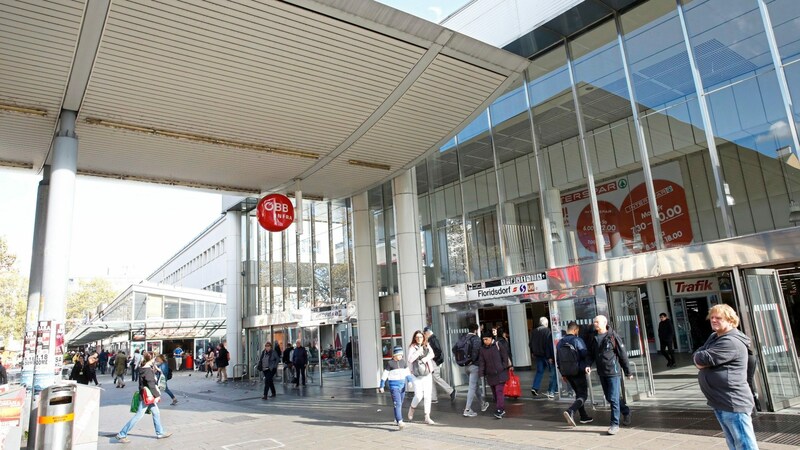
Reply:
x=499, y=414
x=484, y=406
x=453, y=395
x=264, y=397
x=626, y=419
x=549, y=395
x=470, y=413
x=570, y=420
x=410, y=414
x=164, y=436
x=174, y=401
x=401, y=425
x=429, y=421
x=587, y=420
x=122, y=440
x=613, y=429
x=534, y=392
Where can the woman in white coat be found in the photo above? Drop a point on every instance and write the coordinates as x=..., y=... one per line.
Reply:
x=420, y=362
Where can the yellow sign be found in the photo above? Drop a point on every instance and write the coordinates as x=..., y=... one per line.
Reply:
x=47, y=420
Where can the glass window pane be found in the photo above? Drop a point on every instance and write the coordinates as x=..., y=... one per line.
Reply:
x=171, y=308
x=139, y=306
x=785, y=18
x=322, y=284
x=340, y=272
x=306, y=269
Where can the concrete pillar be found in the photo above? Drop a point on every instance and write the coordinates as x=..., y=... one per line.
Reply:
x=409, y=254
x=369, y=341
x=233, y=288
x=518, y=335
x=57, y=241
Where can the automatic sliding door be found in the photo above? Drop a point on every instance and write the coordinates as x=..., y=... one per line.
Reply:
x=627, y=320
x=774, y=341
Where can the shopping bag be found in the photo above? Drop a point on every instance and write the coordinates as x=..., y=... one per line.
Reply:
x=512, y=387
x=148, y=398
x=135, y=402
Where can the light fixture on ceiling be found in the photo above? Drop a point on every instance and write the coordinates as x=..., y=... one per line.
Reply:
x=355, y=162
x=201, y=138
x=23, y=109
x=794, y=213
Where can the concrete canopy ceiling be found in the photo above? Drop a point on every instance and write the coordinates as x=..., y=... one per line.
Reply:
x=242, y=96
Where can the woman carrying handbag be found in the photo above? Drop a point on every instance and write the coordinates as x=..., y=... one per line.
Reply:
x=150, y=395
x=420, y=357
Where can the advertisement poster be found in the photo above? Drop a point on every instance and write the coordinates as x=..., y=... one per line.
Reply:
x=12, y=407
x=43, y=373
x=28, y=359
x=59, y=349
x=624, y=210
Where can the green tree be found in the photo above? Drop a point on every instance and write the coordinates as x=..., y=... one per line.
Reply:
x=13, y=295
x=90, y=293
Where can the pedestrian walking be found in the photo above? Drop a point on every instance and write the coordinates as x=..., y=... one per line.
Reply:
x=147, y=379
x=178, y=355
x=136, y=361
x=163, y=369
x=572, y=358
x=102, y=361
x=348, y=353
x=420, y=356
x=541, y=345
x=120, y=363
x=723, y=362
x=666, y=336
x=469, y=345
x=268, y=365
x=222, y=362
x=299, y=361
x=80, y=371
x=493, y=364
x=3, y=373
x=91, y=368
x=209, y=362
x=607, y=352
x=436, y=374
x=396, y=375
x=288, y=370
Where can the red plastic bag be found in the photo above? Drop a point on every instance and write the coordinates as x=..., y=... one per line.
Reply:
x=512, y=387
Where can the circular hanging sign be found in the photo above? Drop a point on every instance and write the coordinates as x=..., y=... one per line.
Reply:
x=609, y=227
x=275, y=212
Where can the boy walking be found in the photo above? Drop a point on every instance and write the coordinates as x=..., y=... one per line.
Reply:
x=397, y=374
x=572, y=359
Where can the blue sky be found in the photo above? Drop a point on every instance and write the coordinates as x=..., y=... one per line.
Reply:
x=125, y=230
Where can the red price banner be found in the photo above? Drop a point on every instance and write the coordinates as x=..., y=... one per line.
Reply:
x=673, y=212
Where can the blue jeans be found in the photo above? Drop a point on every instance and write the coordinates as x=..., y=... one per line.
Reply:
x=139, y=414
x=397, y=399
x=543, y=363
x=611, y=390
x=169, y=392
x=738, y=429
x=473, y=392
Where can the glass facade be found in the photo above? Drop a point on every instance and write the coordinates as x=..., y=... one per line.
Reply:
x=140, y=306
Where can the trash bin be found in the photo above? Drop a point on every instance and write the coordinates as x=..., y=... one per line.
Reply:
x=56, y=417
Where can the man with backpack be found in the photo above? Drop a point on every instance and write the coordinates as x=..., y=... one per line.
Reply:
x=466, y=353
x=572, y=358
x=436, y=373
x=608, y=352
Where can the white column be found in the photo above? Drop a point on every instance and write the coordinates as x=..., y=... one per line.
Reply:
x=409, y=254
x=369, y=357
x=518, y=334
x=233, y=287
x=657, y=297
x=58, y=237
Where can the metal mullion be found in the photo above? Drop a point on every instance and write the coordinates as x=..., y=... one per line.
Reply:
x=501, y=200
x=598, y=234
x=331, y=249
x=463, y=214
x=311, y=225
x=706, y=116
x=543, y=219
x=645, y=157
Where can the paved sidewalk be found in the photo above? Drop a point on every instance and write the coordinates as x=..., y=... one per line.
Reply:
x=233, y=416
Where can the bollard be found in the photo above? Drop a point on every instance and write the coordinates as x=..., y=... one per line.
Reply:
x=56, y=415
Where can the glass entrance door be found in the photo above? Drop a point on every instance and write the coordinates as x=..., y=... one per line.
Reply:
x=627, y=320
x=773, y=338
x=456, y=324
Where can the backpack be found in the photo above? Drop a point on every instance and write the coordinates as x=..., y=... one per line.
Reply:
x=169, y=375
x=568, y=359
x=462, y=351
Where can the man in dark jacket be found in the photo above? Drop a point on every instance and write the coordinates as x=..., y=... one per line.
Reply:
x=722, y=361
x=299, y=360
x=541, y=345
x=3, y=374
x=268, y=365
x=666, y=337
x=607, y=351
x=288, y=370
x=493, y=364
x=578, y=379
x=436, y=373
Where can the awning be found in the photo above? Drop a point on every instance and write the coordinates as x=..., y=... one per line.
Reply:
x=151, y=330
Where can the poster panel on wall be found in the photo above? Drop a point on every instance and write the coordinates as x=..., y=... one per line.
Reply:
x=625, y=220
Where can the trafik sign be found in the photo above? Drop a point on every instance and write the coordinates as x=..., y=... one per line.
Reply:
x=275, y=212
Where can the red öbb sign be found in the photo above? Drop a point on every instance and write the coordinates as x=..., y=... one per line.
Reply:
x=275, y=212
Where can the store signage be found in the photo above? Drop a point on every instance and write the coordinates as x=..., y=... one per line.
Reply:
x=626, y=224
x=275, y=212
x=517, y=285
x=329, y=313
x=694, y=286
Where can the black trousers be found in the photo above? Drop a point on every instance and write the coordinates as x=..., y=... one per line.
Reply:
x=668, y=352
x=269, y=386
x=300, y=373
x=578, y=383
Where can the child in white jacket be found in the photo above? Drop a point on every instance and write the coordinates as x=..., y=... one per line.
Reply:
x=397, y=374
